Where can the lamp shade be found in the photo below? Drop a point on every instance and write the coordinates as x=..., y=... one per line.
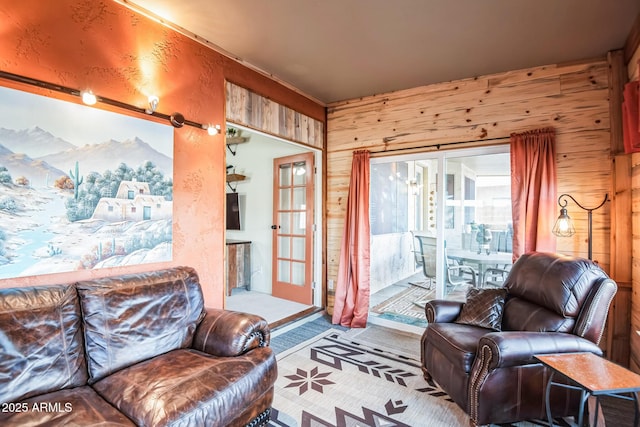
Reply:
x=563, y=226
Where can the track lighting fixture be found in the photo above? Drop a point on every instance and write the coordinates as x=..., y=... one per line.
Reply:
x=177, y=120
x=153, y=104
x=211, y=129
x=89, y=98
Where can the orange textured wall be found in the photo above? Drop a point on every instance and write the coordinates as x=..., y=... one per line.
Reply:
x=125, y=56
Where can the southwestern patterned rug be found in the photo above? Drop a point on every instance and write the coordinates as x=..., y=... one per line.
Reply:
x=333, y=380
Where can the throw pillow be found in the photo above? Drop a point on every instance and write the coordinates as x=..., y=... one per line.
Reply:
x=484, y=308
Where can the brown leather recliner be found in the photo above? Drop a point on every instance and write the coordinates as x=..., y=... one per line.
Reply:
x=554, y=304
x=137, y=349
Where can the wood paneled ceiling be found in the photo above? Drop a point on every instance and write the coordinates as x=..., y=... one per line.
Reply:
x=334, y=50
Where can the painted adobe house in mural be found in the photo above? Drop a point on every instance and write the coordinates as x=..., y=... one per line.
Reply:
x=133, y=202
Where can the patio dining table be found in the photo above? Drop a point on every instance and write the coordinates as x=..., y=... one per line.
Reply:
x=481, y=261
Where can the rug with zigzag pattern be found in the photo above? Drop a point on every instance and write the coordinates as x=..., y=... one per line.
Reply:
x=332, y=380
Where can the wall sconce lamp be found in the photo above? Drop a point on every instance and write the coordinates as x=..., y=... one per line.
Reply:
x=564, y=226
x=89, y=98
x=414, y=187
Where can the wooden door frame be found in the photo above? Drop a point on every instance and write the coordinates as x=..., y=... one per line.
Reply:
x=303, y=294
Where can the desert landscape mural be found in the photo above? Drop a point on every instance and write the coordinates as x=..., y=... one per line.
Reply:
x=80, y=187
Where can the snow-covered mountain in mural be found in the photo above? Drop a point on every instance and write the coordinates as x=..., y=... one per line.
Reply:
x=99, y=157
x=20, y=164
x=92, y=191
x=35, y=141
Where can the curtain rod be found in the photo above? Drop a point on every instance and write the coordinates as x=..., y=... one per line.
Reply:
x=438, y=146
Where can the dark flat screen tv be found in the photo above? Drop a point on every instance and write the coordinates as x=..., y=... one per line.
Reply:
x=233, y=212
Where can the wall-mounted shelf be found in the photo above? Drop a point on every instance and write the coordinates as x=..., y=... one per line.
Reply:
x=234, y=178
x=235, y=140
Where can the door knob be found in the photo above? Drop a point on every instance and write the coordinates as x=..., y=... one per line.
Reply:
x=275, y=227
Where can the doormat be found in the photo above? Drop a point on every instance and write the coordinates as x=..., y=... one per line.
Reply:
x=408, y=303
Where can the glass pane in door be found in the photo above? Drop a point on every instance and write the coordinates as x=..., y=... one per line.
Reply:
x=284, y=271
x=285, y=175
x=297, y=273
x=478, y=233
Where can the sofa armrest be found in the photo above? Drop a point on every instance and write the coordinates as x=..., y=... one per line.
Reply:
x=230, y=333
x=516, y=348
x=442, y=311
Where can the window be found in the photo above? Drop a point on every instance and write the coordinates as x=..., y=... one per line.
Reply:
x=388, y=204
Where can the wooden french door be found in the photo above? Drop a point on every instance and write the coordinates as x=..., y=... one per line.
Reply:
x=293, y=195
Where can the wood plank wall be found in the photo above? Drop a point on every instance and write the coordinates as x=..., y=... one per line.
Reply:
x=572, y=98
x=254, y=111
x=634, y=74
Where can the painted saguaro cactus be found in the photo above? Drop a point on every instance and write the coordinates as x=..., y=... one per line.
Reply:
x=77, y=181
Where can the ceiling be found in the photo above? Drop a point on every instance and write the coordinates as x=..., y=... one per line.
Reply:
x=333, y=50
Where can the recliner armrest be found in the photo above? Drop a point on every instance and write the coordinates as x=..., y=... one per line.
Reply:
x=442, y=311
x=516, y=348
x=230, y=333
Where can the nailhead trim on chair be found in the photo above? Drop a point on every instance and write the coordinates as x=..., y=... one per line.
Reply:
x=582, y=328
x=477, y=380
x=261, y=420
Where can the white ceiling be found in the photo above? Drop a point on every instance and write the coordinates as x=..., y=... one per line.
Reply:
x=333, y=50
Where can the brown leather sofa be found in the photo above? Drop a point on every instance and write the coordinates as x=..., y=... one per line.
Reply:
x=136, y=349
x=552, y=304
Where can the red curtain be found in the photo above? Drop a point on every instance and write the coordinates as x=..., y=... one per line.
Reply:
x=351, y=306
x=631, y=118
x=533, y=191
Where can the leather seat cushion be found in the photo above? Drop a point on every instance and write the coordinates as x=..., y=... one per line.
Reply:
x=40, y=337
x=457, y=342
x=80, y=406
x=187, y=387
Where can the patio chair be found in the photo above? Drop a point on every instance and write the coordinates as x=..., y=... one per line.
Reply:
x=456, y=274
x=417, y=255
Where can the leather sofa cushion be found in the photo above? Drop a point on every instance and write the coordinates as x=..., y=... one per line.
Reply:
x=190, y=388
x=457, y=342
x=41, y=348
x=559, y=283
x=80, y=406
x=135, y=317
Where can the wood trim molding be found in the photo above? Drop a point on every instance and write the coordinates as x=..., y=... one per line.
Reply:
x=633, y=41
x=254, y=111
x=617, y=74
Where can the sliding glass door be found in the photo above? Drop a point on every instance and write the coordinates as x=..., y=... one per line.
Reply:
x=441, y=220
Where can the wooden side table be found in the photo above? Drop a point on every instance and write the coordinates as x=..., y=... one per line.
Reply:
x=593, y=376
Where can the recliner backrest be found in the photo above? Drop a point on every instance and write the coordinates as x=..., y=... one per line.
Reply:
x=552, y=292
